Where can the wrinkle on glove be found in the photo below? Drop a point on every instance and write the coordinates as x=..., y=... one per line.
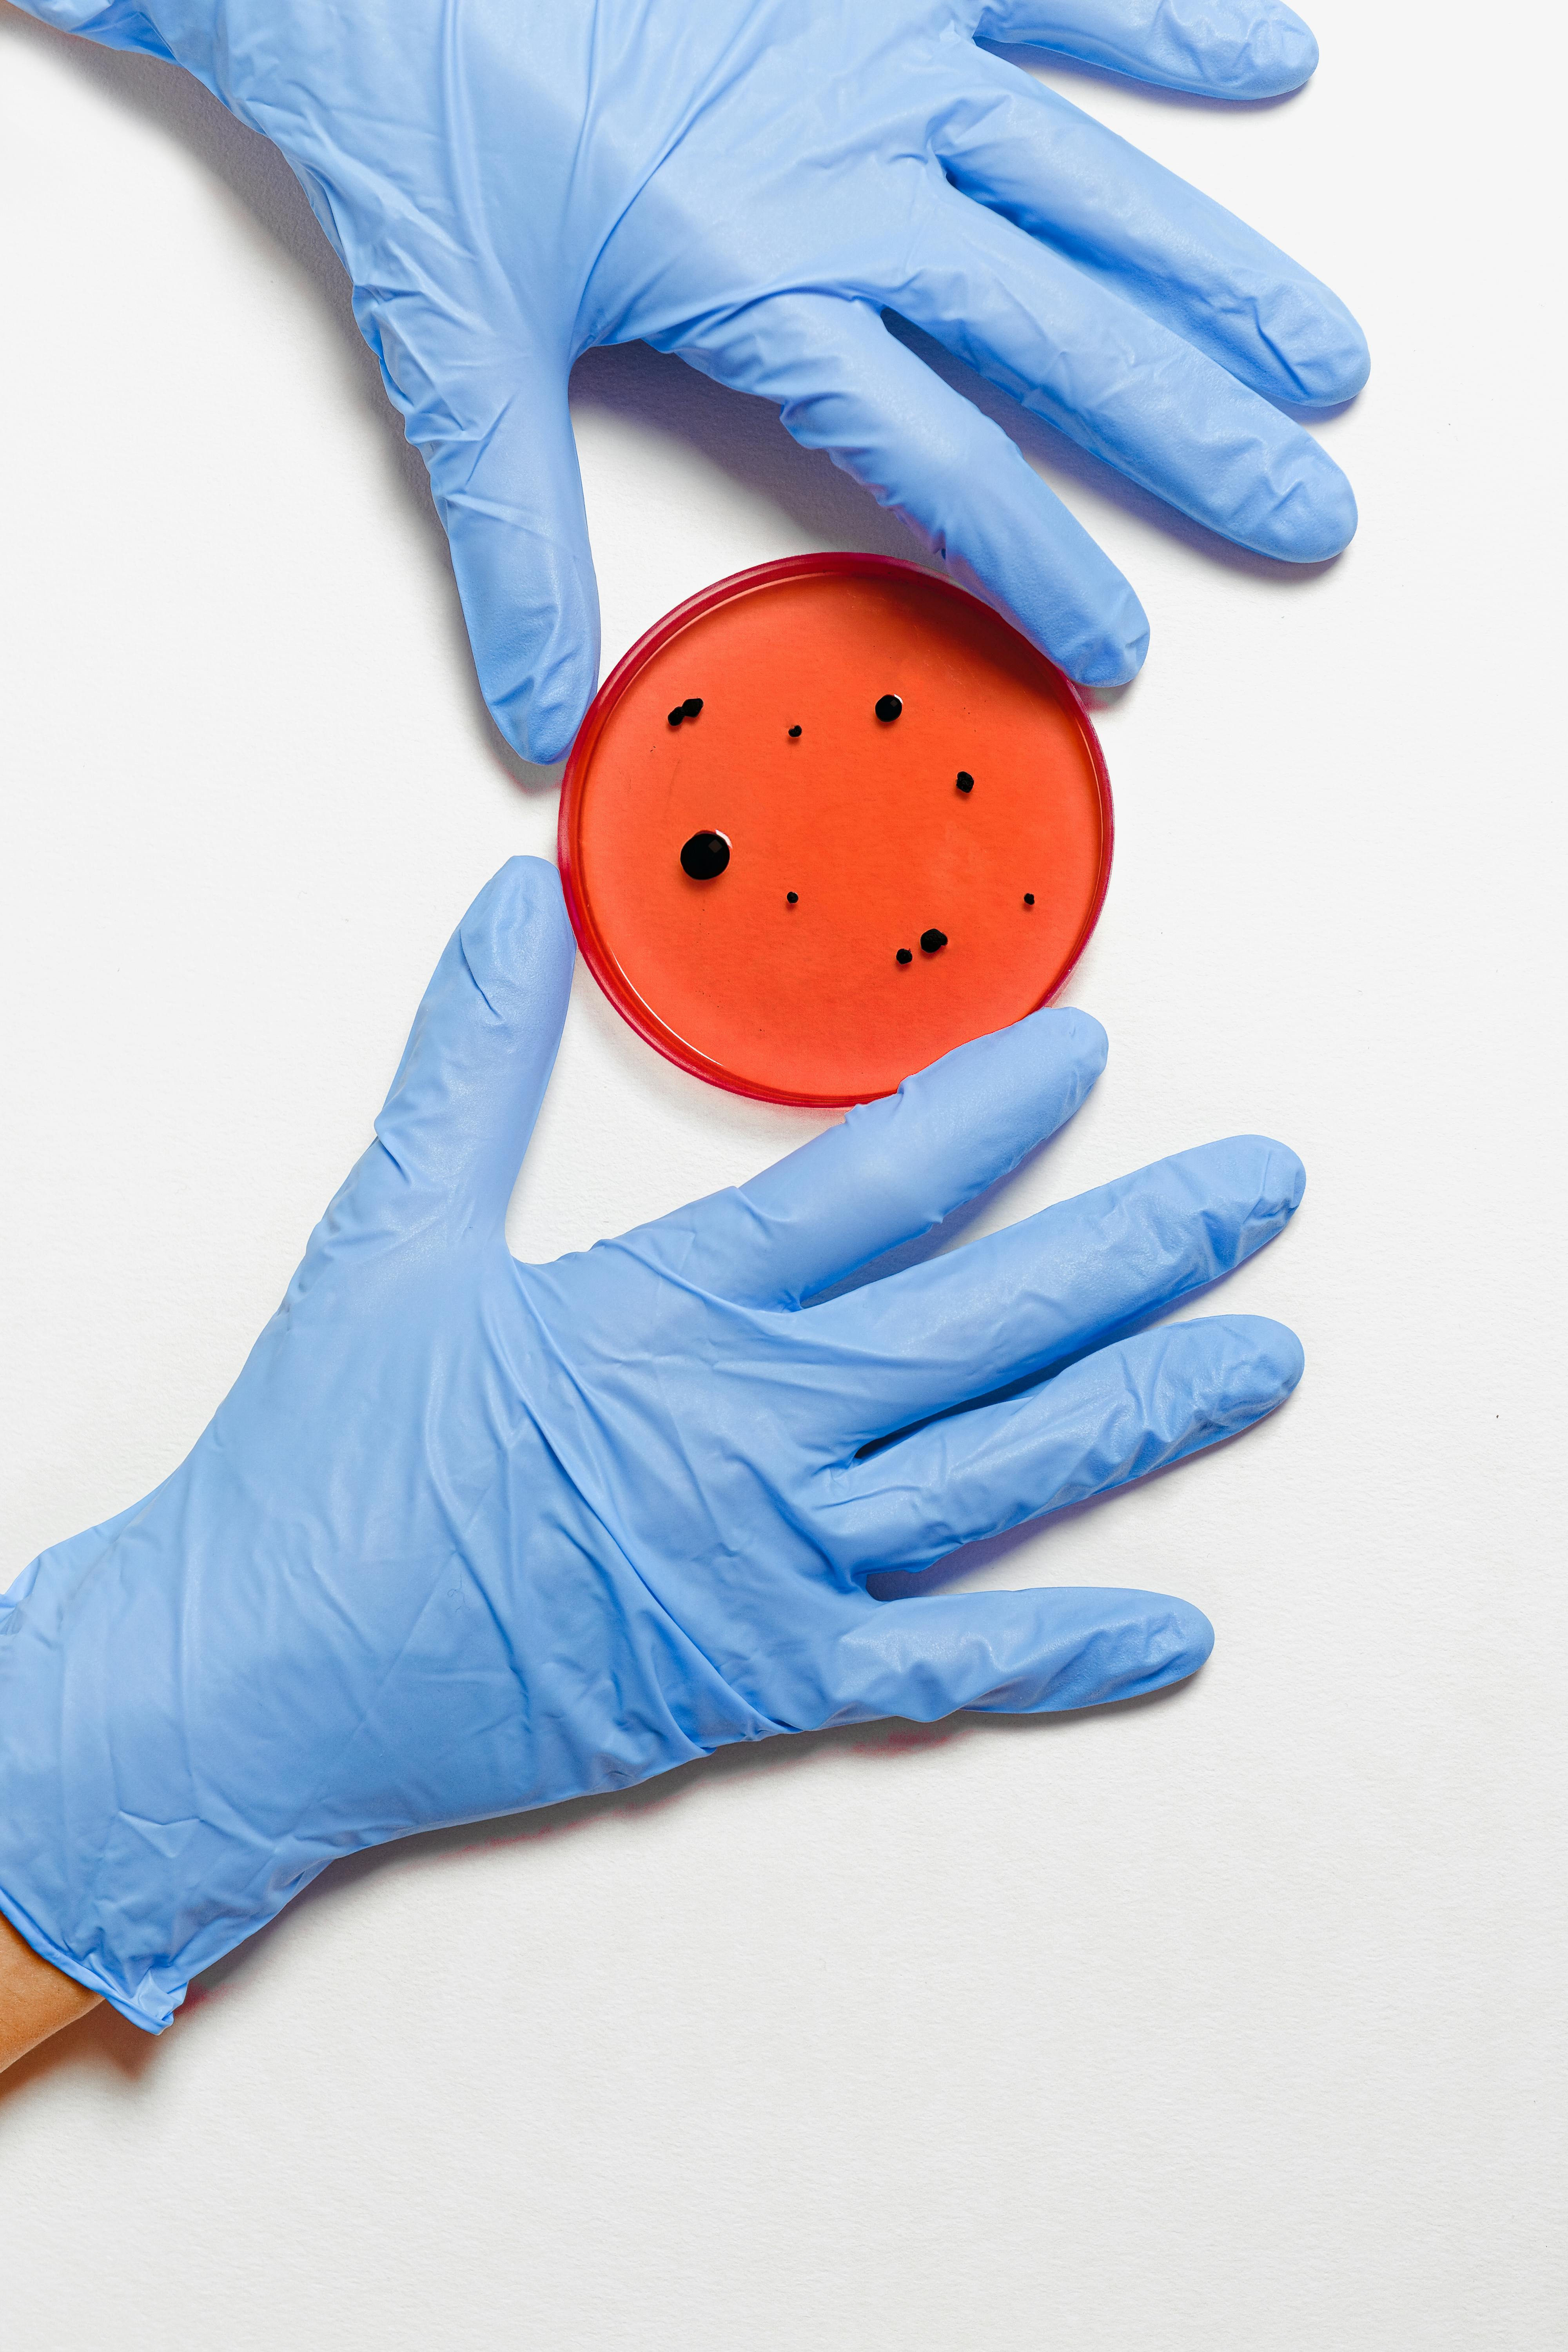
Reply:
x=469, y=1535
x=751, y=184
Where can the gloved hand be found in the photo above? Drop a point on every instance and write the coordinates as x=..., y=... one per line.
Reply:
x=749, y=183
x=468, y=1536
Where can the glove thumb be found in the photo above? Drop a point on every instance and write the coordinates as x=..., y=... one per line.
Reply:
x=457, y=1121
x=492, y=423
x=512, y=505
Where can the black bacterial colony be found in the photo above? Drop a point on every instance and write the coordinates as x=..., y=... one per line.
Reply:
x=707, y=855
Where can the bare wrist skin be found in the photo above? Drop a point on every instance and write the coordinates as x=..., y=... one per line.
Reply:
x=36, y=2000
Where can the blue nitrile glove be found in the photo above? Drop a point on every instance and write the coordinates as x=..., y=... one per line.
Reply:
x=749, y=183
x=468, y=1536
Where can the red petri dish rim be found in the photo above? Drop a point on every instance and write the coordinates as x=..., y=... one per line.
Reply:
x=632, y=1007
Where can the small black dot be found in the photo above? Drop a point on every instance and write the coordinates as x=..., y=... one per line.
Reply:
x=793, y=732
x=704, y=855
x=964, y=781
x=676, y=716
x=904, y=956
x=933, y=939
x=1028, y=898
x=691, y=706
x=888, y=707
x=793, y=897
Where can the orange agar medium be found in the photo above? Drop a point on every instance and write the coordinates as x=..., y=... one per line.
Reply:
x=885, y=829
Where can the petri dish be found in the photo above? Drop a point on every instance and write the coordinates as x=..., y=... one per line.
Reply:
x=863, y=888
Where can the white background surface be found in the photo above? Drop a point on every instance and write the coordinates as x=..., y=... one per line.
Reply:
x=1226, y=2019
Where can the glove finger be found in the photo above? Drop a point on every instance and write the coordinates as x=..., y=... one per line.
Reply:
x=495, y=430
x=1111, y=1418
x=1007, y=1308
x=889, y=1171
x=1017, y=146
x=1217, y=48
x=1012, y=1652
x=1123, y=385
x=844, y=384
x=453, y=1129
